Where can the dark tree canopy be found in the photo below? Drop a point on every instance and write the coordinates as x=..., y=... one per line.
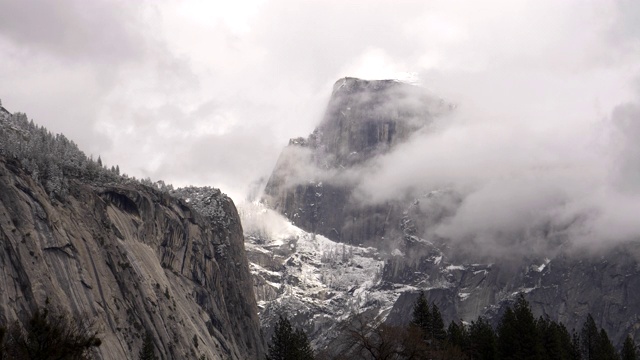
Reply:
x=629, y=351
x=483, y=340
x=519, y=336
x=147, y=352
x=289, y=344
x=49, y=334
x=438, y=333
x=589, y=339
x=422, y=315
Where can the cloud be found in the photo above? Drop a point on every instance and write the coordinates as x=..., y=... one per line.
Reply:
x=521, y=182
x=96, y=31
x=208, y=92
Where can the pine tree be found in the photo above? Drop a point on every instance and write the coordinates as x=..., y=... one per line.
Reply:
x=482, y=340
x=629, y=351
x=507, y=338
x=527, y=335
x=555, y=340
x=458, y=336
x=589, y=339
x=517, y=333
x=147, y=352
x=51, y=334
x=289, y=344
x=575, y=346
x=422, y=315
x=438, y=334
x=302, y=346
x=605, y=349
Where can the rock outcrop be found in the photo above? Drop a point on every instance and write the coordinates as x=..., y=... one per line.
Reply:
x=314, y=185
x=133, y=260
x=314, y=179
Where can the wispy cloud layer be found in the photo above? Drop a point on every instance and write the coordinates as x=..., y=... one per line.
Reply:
x=208, y=93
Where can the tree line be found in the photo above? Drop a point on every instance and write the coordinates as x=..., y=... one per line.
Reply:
x=52, y=159
x=518, y=336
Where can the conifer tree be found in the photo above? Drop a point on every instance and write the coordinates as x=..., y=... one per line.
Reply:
x=589, y=339
x=147, y=352
x=51, y=334
x=422, y=315
x=438, y=333
x=629, y=351
x=605, y=349
x=482, y=340
x=289, y=344
x=507, y=338
x=458, y=336
x=555, y=340
x=517, y=333
x=302, y=345
x=527, y=335
x=575, y=353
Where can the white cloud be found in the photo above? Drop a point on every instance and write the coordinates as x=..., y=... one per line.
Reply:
x=209, y=92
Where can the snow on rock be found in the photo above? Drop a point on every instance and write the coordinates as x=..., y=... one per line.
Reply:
x=542, y=266
x=308, y=275
x=455, y=267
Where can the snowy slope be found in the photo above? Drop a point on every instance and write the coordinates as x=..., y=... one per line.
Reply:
x=317, y=282
x=311, y=279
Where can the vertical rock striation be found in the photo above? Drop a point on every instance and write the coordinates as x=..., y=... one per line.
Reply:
x=314, y=179
x=133, y=260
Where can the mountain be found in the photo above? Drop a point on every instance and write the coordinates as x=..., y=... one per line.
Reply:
x=126, y=256
x=314, y=179
x=316, y=186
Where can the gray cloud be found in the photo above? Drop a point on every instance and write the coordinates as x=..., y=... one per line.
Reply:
x=96, y=31
x=208, y=93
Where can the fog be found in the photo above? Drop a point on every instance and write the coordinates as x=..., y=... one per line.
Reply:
x=208, y=93
x=525, y=174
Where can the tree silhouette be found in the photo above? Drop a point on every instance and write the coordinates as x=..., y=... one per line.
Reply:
x=629, y=351
x=483, y=340
x=422, y=315
x=289, y=344
x=50, y=334
x=147, y=351
x=589, y=339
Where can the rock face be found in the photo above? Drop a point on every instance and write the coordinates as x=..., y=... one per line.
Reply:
x=565, y=288
x=133, y=260
x=311, y=183
x=314, y=185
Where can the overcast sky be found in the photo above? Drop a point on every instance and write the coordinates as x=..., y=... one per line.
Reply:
x=208, y=92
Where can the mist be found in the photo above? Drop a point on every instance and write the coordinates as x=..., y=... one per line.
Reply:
x=525, y=175
x=207, y=93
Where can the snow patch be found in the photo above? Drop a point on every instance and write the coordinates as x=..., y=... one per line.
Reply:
x=455, y=267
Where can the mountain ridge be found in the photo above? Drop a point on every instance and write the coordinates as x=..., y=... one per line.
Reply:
x=562, y=281
x=125, y=255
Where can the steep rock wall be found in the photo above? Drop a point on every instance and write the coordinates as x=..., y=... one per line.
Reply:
x=363, y=119
x=132, y=259
x=313, y=186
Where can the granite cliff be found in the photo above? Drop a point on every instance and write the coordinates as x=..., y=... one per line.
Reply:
x=128, y=257
x=315, y=185
x=314, y=179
